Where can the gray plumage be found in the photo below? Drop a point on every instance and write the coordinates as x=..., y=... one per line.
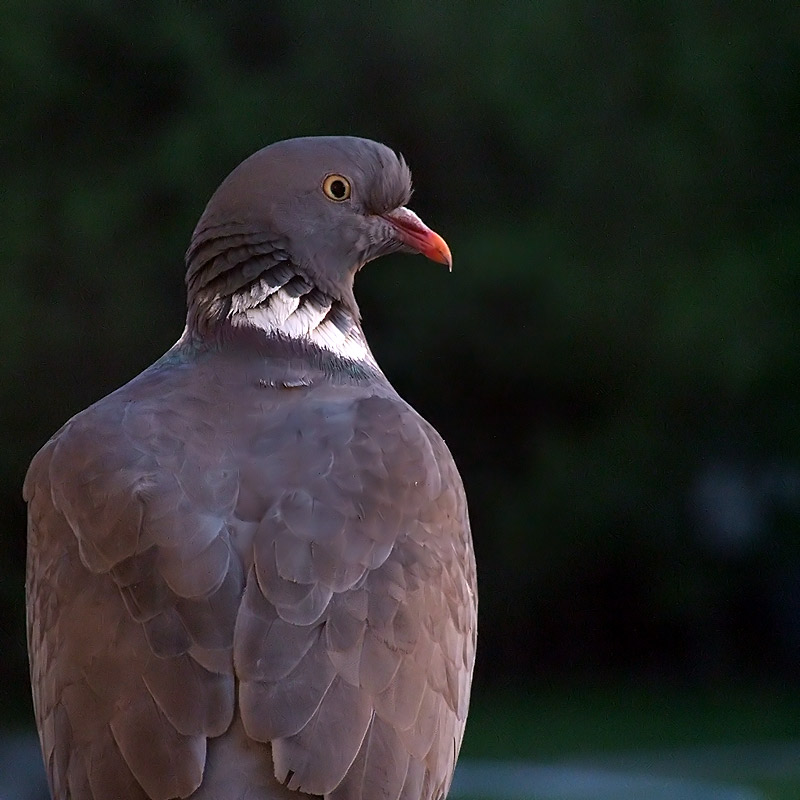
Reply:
x=250, y=571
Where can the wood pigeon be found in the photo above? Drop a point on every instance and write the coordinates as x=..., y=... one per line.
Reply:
x=250, y=572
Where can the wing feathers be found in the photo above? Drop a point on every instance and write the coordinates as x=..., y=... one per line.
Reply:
x=271, y=710
x=194, y=700
x=199, y=575
x=167, y=635
x=267, y=648
x=416, y=778
x=109, y=775
x=168, y=765
x=321, y=753
x=380, y=769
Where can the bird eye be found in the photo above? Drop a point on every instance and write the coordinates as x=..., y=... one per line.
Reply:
x=336, y=187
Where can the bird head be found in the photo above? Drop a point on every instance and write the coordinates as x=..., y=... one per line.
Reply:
x=325, y=205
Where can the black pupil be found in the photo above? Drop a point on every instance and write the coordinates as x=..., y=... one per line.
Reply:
x=338, y=189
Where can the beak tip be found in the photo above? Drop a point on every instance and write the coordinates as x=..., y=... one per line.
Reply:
x=442, y=250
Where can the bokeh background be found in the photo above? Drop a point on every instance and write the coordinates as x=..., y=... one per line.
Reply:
x=615, y=360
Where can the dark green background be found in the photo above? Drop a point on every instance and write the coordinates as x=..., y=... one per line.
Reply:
x=614, y=360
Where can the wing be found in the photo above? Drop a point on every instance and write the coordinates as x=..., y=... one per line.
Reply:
x=355, y=641
x=132, y=595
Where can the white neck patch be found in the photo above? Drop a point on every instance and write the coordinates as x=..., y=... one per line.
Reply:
x=297, y=318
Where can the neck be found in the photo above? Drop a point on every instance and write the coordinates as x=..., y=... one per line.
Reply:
x=295, y=311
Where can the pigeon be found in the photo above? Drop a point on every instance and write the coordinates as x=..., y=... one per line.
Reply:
x=250, y=572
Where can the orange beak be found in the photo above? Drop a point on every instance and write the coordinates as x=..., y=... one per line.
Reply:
x=412, y=231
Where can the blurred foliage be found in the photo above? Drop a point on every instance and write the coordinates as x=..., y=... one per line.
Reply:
x=614, y=361
x=555, y=723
